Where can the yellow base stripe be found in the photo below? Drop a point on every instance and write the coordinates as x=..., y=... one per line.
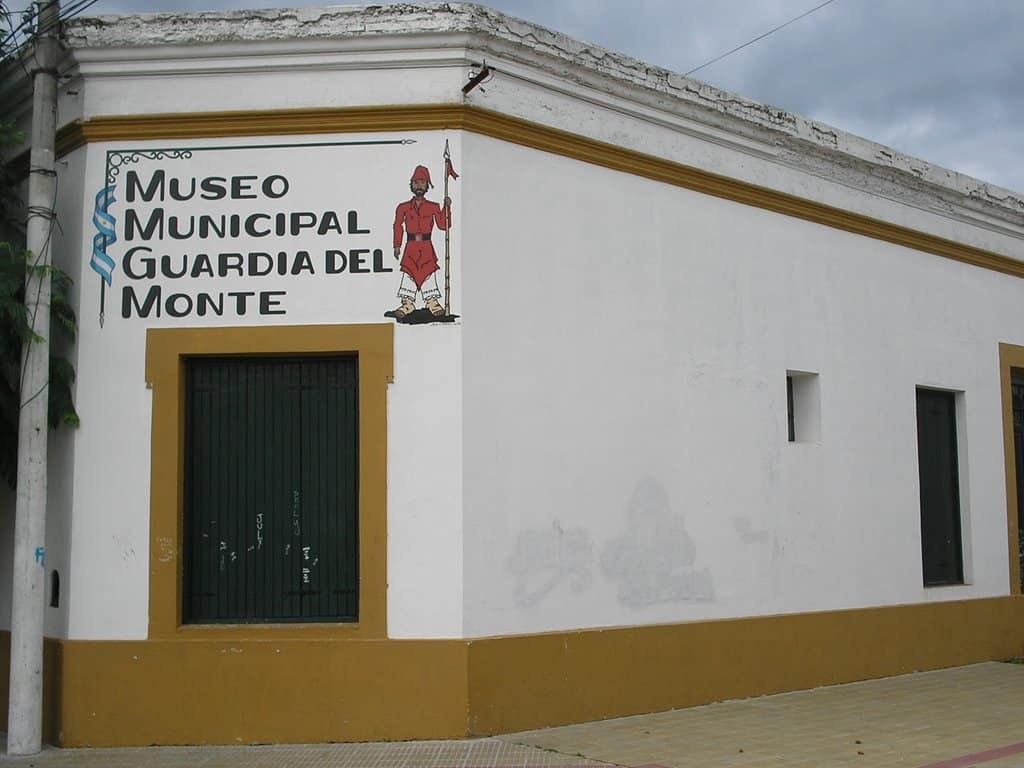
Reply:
x=215, y=692
x=546, y=680
x=206, y=691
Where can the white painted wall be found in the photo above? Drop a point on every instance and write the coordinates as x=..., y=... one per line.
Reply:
x=602, y=439
x=109, y=559
x=758, y=148
x=626, y=459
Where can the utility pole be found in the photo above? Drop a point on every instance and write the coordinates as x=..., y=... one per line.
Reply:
x=25, y=705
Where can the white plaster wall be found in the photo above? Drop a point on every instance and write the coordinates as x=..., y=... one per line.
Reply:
x=625, y=352
x=108, y=596
x=760, y=152
x=281, y=82
x=425, y=484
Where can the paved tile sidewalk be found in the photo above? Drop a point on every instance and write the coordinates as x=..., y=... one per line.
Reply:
x=471, y=753
x=908, y=721
x=957, y=718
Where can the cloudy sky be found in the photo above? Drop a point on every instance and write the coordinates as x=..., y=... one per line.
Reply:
x=939, y=79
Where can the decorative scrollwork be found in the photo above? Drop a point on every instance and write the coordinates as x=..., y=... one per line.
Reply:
x=118, y=158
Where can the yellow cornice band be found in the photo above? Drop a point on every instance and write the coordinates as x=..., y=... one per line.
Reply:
x=527, y=134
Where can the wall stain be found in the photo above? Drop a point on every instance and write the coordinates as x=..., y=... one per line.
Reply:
x=166, y=549
x=652, y=560
x=748, y=534
x=544, y=559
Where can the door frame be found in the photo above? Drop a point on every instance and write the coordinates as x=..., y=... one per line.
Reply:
x=166, y=350
x=1011, y=365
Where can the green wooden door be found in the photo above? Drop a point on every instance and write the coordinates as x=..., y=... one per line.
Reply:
x=271, y=496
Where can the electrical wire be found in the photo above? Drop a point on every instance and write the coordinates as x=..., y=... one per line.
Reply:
x=759, y=37
x=75, y=8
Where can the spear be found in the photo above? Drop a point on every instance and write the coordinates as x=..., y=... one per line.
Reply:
x=449, y=172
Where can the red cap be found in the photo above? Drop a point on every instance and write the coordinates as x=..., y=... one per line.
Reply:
x=422, y=174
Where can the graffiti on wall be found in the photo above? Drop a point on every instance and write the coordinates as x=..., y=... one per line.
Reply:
x=654, y=559
x=548, y=558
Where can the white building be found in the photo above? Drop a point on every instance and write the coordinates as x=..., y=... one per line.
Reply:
x=586, y=490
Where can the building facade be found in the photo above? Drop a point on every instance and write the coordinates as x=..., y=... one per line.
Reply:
x=653, y=397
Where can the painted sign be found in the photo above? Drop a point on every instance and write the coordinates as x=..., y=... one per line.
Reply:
x=269, y=230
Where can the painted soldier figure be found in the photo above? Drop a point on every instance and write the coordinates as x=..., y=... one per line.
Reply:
x=415, y=220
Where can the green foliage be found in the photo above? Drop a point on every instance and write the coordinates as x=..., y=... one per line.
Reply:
x=15, y=323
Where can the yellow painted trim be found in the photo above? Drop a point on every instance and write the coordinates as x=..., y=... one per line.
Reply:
x=536, y=681
x=1010, y=358
x=524, y=133
x=274, y=122
x=166, y=349
x=229, y=690
x=136, y=693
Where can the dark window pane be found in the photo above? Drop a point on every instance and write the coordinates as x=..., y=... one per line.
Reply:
x=941, y=550
x=271, y=493
x=1017, y=393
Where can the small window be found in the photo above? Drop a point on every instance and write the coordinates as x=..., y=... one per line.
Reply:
x=938, y=468
x=803, y=407
x=54, y=589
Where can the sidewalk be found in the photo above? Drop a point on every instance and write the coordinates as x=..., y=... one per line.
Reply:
x=970, y=716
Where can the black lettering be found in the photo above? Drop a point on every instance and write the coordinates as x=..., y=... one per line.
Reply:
x=214, y=188
x=256, y=269
x=331, y=266
x=128, y=301
x=208, y=224
x=167, y=271
x=155, y=225
x=228, y=262
x=355, y=260
x=175, y=232
x=240, y=298
x=302, y=263
x=353, y=224
x=175, y=189
x=275, y=186
x=250, y=225
x=268, y=303
x=132, y=185
x=171, y=307
x=202, y=266
x=205, y=302
x=148, y=262
x=239, y=187
x=301, y=220
x=378, y=261
x=329, y=223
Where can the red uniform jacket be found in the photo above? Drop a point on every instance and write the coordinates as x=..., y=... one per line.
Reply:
x=417, y=217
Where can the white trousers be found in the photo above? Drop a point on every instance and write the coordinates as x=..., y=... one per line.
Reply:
x=407, y=288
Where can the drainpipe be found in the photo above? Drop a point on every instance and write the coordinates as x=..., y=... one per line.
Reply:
x=24, y=719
